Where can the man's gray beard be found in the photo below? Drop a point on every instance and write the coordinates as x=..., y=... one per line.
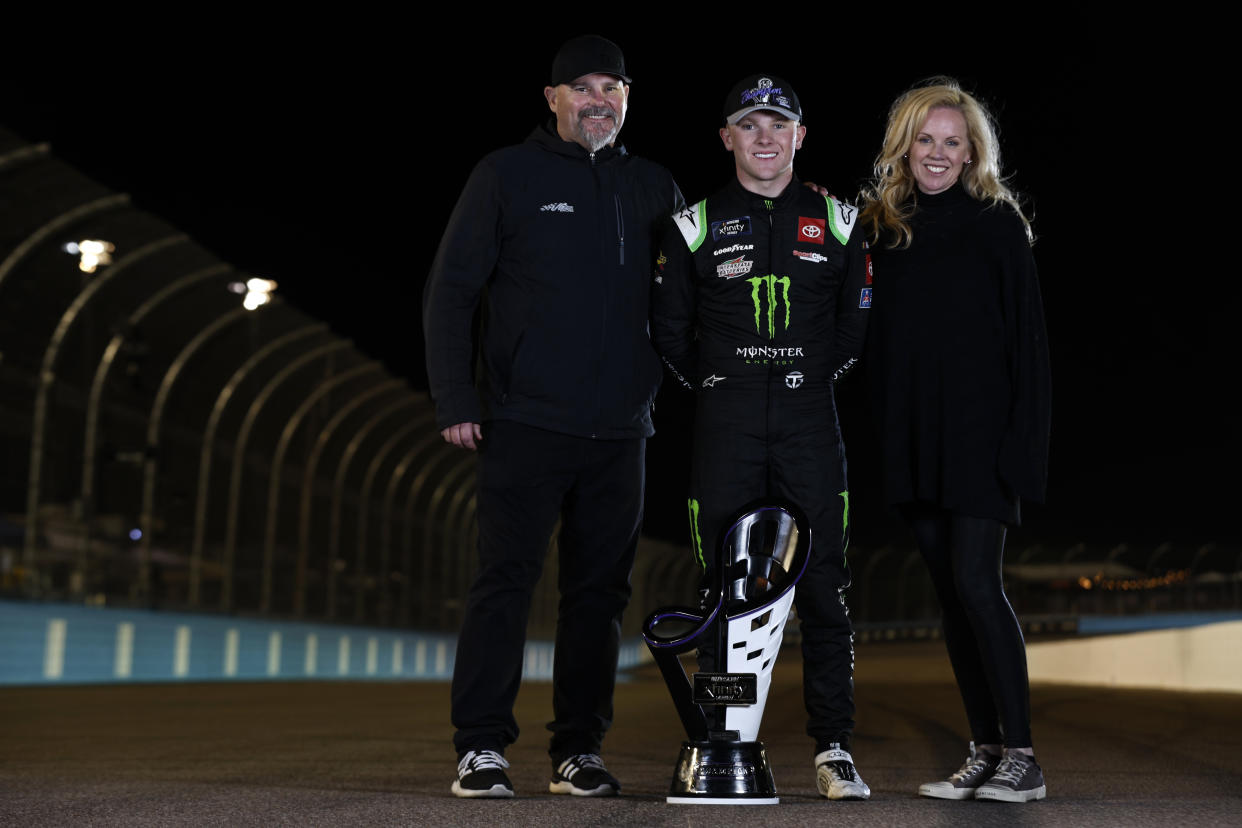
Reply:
x=593, y=141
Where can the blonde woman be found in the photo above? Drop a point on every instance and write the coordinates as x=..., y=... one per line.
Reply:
x=958, y=360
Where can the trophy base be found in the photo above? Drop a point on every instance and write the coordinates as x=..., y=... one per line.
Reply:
x=722, y=773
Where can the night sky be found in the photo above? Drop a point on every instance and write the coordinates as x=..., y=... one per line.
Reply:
x=328, y=157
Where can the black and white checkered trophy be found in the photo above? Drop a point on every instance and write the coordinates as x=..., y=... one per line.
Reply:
x=761, y=557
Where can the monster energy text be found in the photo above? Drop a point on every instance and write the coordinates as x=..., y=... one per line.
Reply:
x=767, y=352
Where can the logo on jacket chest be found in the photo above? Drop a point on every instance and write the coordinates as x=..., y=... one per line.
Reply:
x=814, y=258
x=739, y=226
x=811, y=230
x=734, y=267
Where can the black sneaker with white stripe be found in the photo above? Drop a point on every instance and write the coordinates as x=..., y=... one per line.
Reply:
x=481, y=774
x=584, y=775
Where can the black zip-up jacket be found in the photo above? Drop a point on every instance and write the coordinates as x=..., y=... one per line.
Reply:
x=557, y=243
x=749, y=289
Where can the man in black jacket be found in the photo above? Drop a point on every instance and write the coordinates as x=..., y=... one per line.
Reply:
x=554, y=237
x=760, y=305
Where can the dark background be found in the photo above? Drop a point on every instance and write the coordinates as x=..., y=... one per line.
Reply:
x=327, y=155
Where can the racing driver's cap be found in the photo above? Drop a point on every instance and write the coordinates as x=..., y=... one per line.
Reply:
x=587, y=55
x=756, y=92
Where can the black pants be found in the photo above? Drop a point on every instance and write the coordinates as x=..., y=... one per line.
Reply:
x=777, y=441
x=986, y=648
x=528, y=478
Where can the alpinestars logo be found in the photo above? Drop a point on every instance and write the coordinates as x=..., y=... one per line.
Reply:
x=711, y=381
x=734, y=267
x=557, y=207
x=763, y=288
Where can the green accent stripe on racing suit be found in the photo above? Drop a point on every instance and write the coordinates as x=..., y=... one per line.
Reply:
x=696, y=540
x=693, y=228
x=845, y=526
x=836, y=219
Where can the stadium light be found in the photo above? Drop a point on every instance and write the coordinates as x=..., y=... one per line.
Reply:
x=258, y=292
x=91, y=253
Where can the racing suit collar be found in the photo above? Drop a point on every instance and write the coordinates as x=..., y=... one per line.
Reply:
x=759, y=202
x=545, y=135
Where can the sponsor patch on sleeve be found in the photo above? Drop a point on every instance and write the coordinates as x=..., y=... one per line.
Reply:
x=841, y=218
x=864, y=300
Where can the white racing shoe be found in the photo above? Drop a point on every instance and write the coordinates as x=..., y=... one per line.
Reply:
x=836, y=777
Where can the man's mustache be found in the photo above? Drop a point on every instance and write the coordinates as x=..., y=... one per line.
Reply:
x=594, y=111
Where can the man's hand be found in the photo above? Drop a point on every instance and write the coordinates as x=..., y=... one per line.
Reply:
x=463, y=435
x=813, y=186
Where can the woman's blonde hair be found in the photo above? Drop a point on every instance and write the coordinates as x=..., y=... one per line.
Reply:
x=887, y=199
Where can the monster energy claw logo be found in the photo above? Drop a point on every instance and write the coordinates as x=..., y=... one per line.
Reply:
x=770, y=282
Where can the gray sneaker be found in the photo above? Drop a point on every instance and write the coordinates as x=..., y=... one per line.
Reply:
x=836, y=777
x=977, y=769
x=1018, y=778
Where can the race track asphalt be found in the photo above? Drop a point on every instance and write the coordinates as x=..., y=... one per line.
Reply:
x=379, y=753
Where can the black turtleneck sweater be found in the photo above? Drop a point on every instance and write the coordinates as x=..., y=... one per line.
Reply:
x=957, y=357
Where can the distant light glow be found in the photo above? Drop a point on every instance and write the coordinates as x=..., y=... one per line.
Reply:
x=91, y=253
x=255, y=300
x=135, y=534
x=1172, y=576
x=258, y=292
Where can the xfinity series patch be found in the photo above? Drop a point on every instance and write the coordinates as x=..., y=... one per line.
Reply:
x=739, y=226
x=734, y=267
x=864, y=301
x=811, y=230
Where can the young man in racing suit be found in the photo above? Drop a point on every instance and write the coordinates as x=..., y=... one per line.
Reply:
x=759, y=305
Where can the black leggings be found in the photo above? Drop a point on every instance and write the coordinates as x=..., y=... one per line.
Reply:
x=984, y=639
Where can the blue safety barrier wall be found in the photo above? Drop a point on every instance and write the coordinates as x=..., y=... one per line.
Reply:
x=71, y=644
x=1106, y=624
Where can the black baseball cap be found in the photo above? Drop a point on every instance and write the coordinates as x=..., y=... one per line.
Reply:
x=587, y=55
x=765, y=91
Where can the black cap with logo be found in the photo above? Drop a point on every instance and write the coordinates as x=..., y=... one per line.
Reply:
x=587, y=55
x=756, y=92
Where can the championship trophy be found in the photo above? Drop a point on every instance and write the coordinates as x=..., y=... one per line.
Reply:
x=761, y=557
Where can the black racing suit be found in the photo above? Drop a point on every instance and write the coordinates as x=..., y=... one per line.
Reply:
x=759, y=305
